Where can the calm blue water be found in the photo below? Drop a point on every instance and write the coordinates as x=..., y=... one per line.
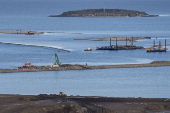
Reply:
x=145, y=82
x=33, y=15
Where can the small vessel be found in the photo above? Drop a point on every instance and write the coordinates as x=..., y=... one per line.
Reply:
x=88, y=49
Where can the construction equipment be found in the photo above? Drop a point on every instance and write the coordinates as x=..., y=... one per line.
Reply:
x=28, y=65
x=131, y=42
x=158, y=48
x=62, y=94
x=150, y=49
x=56, y=60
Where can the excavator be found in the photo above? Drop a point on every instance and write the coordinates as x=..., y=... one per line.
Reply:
x=56, y=60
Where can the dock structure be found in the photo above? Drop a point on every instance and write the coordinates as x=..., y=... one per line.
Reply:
x=120, y=47
x=157, y=48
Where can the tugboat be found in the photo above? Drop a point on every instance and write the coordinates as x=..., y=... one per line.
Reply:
x=88, y=49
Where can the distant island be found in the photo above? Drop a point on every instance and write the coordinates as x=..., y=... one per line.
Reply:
x=104, y=13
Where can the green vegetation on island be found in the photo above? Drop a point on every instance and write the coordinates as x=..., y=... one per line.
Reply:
x=104, y=13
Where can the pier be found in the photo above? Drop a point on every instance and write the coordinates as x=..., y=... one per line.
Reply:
x=85, y=67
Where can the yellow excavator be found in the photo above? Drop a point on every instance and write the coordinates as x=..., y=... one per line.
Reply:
x=150, y=48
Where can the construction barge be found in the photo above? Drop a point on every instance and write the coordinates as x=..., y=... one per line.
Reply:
x=120, y=47
x=84, y=67
x=157, y=48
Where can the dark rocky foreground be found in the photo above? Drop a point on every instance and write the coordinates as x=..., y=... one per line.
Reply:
x=53, y=103
x=85, y=67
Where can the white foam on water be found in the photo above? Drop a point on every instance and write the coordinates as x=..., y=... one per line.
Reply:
x=142, y=61
x=164, y=15
x=35, y=45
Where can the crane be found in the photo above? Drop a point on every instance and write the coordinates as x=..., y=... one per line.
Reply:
x=56, y=60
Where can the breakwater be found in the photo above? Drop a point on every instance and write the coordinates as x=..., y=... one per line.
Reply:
x=84, y=67
x=35, y=46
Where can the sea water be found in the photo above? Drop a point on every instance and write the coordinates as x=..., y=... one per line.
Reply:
x=126, y=82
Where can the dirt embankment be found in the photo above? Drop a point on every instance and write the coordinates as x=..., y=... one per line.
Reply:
x=44, y=103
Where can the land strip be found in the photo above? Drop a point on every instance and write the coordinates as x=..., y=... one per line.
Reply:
x=85, y=67
x=21, y=32
x=53, y=103
x=35, y=46
x=114, y=38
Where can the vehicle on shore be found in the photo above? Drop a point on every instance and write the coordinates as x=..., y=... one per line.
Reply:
x=27, y=65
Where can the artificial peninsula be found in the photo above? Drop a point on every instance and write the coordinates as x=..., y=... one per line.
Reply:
x=62, y=67
x=104, y=13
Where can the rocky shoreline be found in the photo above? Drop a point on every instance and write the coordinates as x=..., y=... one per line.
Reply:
x=85, y=67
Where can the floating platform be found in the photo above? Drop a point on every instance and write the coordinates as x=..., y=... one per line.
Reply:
x=157, y=49
x=113, y=47
x=120, y=47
